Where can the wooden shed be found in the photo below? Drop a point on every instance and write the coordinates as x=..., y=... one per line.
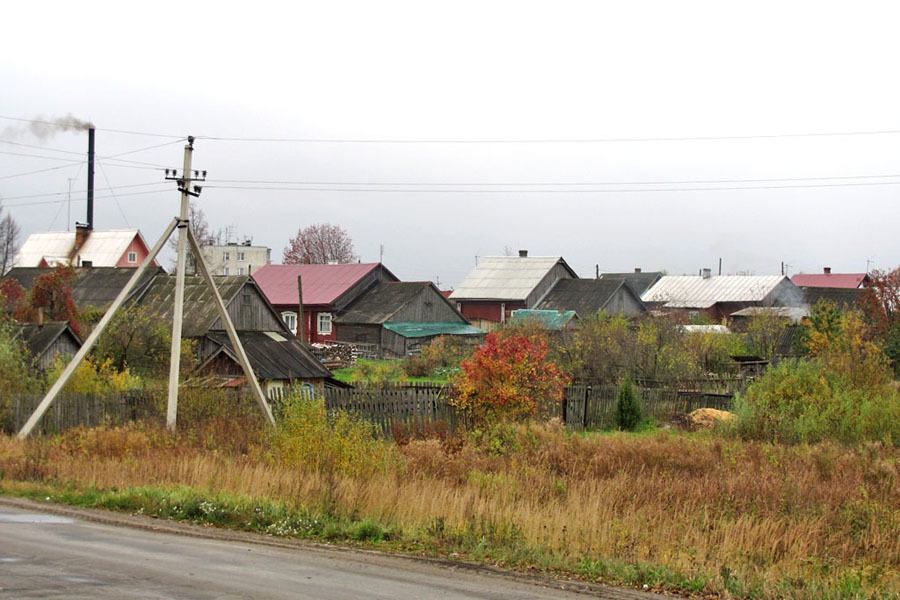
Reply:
x=48, y=341
x=401, y=317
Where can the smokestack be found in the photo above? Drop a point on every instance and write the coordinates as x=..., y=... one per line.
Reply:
x=90, y=180
x=523, y=253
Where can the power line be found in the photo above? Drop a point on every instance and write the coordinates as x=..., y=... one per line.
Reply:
x=40, y=156
x=47, y=148
x=553, y=141
x=134, y=185
x=554, y=191
x=145, y=149
x=38, y=171
x=110, y=188
x=42, y=202
x=552, y=183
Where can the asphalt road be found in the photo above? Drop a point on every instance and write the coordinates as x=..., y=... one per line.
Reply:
x=66, y=553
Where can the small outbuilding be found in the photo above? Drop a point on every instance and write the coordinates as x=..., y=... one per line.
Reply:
x=48, y=341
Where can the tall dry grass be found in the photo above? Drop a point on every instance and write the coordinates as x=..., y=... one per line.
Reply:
x=743, y=518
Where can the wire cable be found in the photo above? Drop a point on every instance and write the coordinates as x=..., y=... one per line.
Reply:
x=38, y=171
x=211, y=182
x=70, y=127
x=111, y=190
x=121, y=187
x=553, y=191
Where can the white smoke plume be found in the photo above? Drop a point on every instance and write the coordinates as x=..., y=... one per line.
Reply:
x=45, y=128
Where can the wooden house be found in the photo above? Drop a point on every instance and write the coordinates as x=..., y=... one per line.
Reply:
x=92, y=287
x=717, y=297
x=326, y=291
x=84, y=247
x=501, y=284
x=47, y=341
x=401, y=317
x=586, y=297
x=277, y=357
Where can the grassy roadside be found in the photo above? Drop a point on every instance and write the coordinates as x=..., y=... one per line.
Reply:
x=704, y=515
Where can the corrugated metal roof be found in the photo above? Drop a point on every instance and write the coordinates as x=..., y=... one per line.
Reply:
x=322, y=284
x=505, y=277
x=416, y=330
x=829, y=280
x=548, y=319
x=52, y=244
x=102, y=248
x=694, y=291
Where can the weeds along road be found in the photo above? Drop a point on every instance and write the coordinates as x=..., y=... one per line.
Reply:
x=52, y=551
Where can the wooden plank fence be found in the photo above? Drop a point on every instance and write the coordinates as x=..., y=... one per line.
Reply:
x=412, y=405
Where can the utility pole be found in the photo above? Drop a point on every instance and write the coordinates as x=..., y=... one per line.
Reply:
x=184, y=236
x=184, y=183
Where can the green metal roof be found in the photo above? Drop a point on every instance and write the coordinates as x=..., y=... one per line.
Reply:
x=416, y=330
x=548, y=319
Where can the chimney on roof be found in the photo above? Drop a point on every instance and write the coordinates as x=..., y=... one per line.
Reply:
x=87, y=264
x=705, y=273
x=828, y=270
x=82, y=231
x=637, y=269
x=523, y=253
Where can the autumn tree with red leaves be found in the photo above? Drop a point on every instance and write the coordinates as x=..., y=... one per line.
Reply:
x=319, y=244
x=881, y=305
x=50, y=292
x=508, y=377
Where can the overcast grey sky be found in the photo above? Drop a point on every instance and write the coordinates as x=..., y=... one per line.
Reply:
x=585, y=98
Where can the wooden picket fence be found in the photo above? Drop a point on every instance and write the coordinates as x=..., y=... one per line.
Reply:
x=73, y=410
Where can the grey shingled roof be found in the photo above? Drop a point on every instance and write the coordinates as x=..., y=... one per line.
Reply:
x=274, y=356
x=584, y=296
x=639, y=282
x=199, y=303
x=379, y=304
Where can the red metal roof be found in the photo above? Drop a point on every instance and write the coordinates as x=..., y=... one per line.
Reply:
x=829, y=280
x=322, y=284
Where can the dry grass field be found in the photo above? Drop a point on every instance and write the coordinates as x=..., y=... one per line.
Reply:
x=700, y=514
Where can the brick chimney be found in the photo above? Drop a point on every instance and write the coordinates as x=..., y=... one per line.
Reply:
x=828, y=270
x=523, y=253
x=637, y=269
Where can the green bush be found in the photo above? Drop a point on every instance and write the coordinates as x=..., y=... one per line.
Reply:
x=337, y=443
x=628, y=411
x=805, y=401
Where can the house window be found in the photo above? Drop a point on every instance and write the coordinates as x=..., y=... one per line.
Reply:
x=290, y=319
x=226, y=256
x=225, y=271
x=325, y=323
x=240, y=270
x=240, y=256
x=132, y=257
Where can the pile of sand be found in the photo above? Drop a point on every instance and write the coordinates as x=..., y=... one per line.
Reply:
x=708, y=418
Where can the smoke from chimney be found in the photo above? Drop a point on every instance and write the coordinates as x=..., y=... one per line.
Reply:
x=45, y=128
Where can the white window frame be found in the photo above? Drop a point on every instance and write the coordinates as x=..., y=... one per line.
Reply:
x=132, y=257
x=240, y=256
x=224, y=270
x=290, y=319
x=240, y=270
x=226, y=256
x=325, y=324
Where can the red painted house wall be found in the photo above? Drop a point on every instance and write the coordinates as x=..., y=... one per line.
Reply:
x=488, y=310
x=138, y=248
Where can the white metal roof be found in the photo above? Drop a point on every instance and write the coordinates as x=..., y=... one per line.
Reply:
x=102, y=248
x=504, y=278
x=694, y=291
